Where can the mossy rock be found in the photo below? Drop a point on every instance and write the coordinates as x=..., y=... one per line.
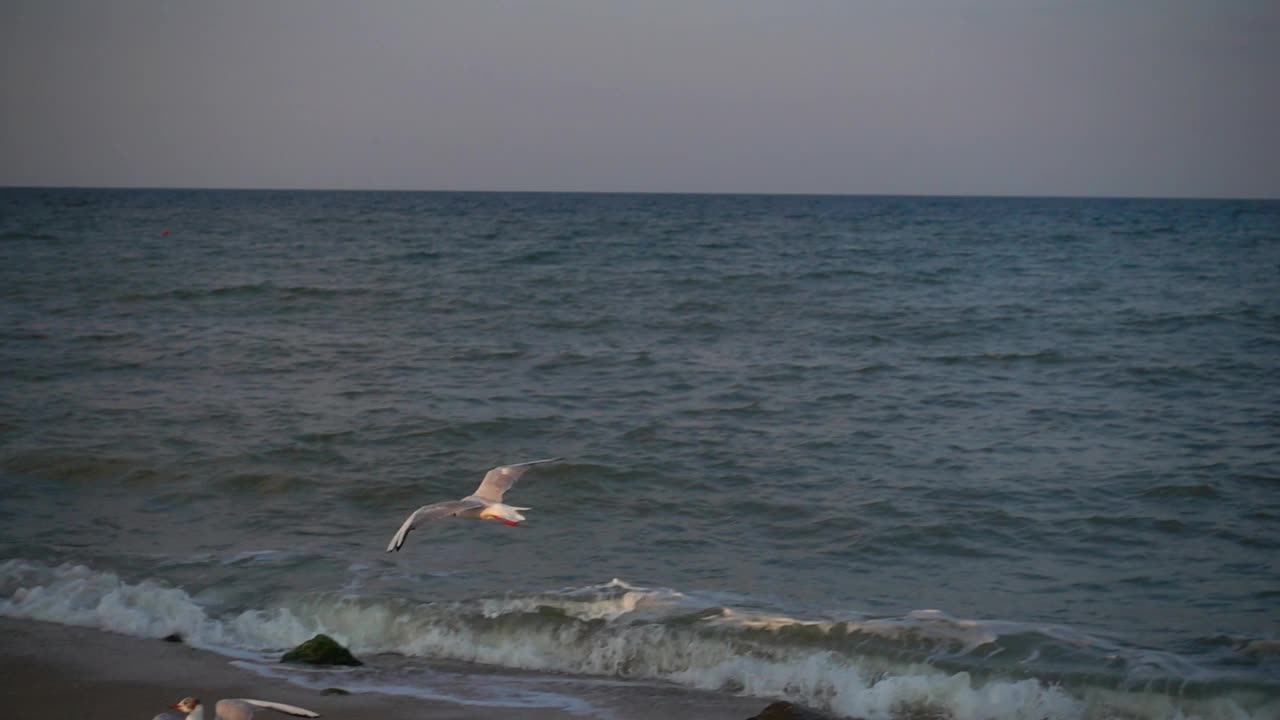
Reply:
x=320, y=650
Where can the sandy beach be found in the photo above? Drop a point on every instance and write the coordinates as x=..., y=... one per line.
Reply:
x=57, y=672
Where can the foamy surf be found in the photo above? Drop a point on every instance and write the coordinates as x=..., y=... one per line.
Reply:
x=924, y=664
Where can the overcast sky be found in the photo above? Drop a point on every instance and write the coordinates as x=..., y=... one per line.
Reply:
x=1006, y=97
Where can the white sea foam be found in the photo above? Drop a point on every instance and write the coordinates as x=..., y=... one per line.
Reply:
x=604, y=631
x=607, y=601
x=76, y=595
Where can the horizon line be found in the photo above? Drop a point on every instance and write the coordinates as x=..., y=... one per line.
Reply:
x=980, y=196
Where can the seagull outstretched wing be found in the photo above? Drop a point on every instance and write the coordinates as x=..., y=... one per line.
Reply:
x=427, y=513
x=500, y=479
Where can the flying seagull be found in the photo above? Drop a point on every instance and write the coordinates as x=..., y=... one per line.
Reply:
x=484, y=504
x=237, y=709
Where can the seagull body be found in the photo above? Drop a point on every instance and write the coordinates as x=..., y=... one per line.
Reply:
x=237, y=709
x=484, y=504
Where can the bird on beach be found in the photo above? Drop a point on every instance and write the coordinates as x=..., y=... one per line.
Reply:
x=484, y=504
x=237, y=709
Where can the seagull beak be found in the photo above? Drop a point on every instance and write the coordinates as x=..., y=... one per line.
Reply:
x=508, y=522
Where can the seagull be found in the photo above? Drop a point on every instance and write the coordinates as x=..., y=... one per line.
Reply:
x=236, y=709
x=484, y=504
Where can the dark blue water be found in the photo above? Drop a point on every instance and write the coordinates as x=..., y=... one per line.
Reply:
x=977, y=457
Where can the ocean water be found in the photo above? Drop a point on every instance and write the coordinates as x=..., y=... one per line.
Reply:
x=892, y=457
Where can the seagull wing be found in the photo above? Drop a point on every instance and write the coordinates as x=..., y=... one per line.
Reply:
x=427, y=513
x=278, y=707
x=500, y=479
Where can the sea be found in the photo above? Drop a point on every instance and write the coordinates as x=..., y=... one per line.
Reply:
x=889, y=457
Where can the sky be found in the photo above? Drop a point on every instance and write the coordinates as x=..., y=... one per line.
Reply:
x=1169, y=98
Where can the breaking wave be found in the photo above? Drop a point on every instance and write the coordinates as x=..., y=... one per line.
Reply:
x=923, y=664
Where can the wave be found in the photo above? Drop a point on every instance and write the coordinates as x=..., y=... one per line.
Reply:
x=1198, y=490
x=1042, y=356
x=74, y=467
x=923, y=664
x=26, y=235
x=264, y=290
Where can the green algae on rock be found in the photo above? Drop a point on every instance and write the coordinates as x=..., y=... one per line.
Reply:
x=320, y=650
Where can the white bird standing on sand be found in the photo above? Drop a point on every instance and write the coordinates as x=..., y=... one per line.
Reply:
x=484, y=504
x=237, y=709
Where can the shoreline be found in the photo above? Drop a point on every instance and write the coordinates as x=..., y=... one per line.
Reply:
x=56, y=671
x=63, y=672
